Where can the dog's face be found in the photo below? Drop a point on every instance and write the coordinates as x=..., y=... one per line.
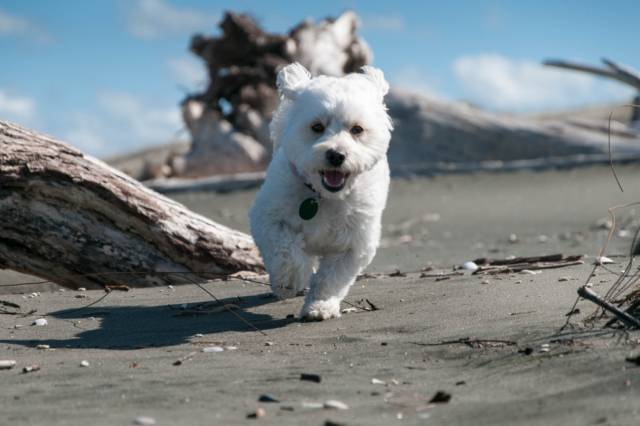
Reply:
x=332, y=129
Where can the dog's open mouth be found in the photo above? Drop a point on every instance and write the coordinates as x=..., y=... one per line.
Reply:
x=333, y=180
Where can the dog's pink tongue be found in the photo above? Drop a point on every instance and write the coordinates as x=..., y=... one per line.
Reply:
x=333, y=177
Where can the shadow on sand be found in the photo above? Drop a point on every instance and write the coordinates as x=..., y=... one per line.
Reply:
x=130, y=327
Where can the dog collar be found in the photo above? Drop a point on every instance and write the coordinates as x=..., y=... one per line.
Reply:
x=309, y=207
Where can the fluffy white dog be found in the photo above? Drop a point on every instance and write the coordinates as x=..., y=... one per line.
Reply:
x=326, y=186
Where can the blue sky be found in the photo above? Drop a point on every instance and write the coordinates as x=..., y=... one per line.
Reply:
x=107, y=75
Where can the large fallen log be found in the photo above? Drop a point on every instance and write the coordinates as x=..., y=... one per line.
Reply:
x=63, y=213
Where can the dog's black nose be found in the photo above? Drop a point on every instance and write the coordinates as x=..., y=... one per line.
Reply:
x=335, y=157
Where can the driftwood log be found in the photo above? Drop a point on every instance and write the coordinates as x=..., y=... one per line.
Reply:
x=229, y=121
x=622, y=73
x=63, y=213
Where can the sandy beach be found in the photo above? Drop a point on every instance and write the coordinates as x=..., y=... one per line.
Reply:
x=480, y=339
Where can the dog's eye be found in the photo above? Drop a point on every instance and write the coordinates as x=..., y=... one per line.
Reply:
x=317, y=127
x=356, y=129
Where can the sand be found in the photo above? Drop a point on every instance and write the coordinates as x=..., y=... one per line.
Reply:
x=584, y=381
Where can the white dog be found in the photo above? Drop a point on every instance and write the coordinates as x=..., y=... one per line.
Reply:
x=326, y=186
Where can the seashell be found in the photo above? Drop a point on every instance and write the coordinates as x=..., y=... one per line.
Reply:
x=84, y=363
x=7, y=364
x=335, y=405
x=527, y=272
x=269, y=344
x=40, y=322
x=346, y=311
x=82, y=289
x=144, y=420
x=212, y=349
x=378, y=382
x=231, y=348
x=470, y=266
x=602, y=260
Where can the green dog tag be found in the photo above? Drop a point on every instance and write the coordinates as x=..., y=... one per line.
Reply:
x=308, y=208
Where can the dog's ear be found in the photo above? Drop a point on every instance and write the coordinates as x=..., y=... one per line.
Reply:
x=377, y=78
x=291, y=77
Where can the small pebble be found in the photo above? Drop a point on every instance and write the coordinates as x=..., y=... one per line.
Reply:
x=42, y=347
x=62, y=289
x=518, y=282
x=81, y=296
x=213, y=349
x=30, y=368
x=485, y=282
x=170, y=286
x=199, y=335
x=527, y=272
x=18, y=326
x=544, y=350
x=589, y=285
x=544, y=345
x=231, y=348
x=346, y=311
x=470, y=266
x=311, y=377
x=31, y=296
x=335, y=405
x=258, y=414
x=627, y=383
x=564, y=279
x=40, y=322
x=144, y=420
x=269, y=343
x=267, y=398
x=34, y=294
x=84, y=363
x=82, y=289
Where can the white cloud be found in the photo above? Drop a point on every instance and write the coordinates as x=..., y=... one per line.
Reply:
x=392, y=22
x=414, y=78
x=150, y=19
x=14, y=25
x=128, y=123
x=17, y=108
x=188, y=71
x=499, y=83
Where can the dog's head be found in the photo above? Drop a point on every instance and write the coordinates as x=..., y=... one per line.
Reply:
x=332, y=129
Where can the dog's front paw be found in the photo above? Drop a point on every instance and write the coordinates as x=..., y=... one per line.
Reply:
x=319, y=310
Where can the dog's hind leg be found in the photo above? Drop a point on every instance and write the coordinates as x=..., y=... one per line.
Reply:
x=289, y=267
x=330, y=284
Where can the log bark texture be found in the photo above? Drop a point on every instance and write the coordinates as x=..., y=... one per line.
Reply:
x=63, y=213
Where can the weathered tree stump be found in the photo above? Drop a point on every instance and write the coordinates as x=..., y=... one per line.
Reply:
x=63, y=213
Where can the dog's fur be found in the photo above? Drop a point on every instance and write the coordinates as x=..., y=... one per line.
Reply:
x=345, y=233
